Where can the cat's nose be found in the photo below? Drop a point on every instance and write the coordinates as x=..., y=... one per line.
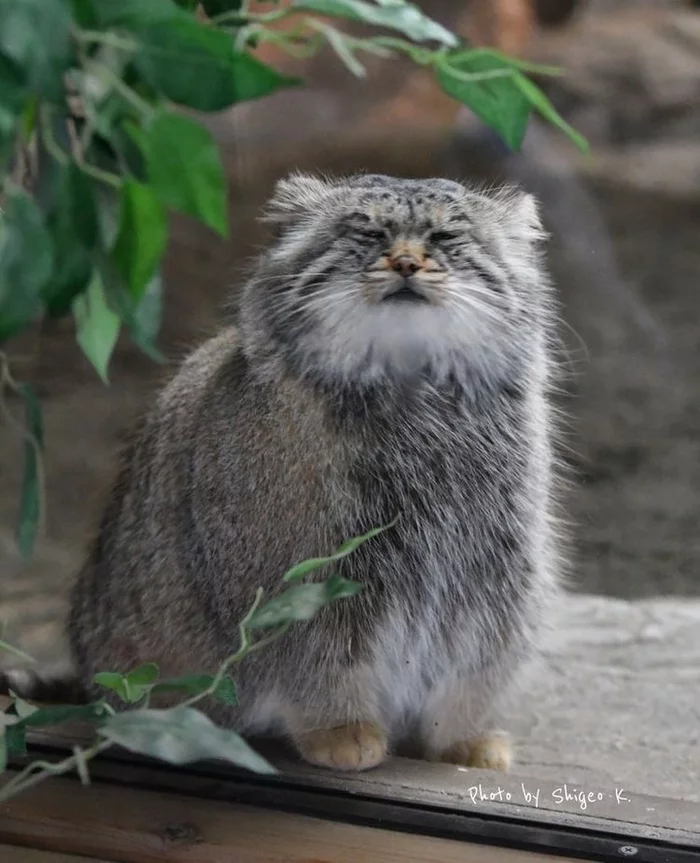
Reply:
x=407, y=265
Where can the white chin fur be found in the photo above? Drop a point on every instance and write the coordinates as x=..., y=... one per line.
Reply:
x=396, y=340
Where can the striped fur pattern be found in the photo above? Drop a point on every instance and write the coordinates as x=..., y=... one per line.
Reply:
x=352, y=394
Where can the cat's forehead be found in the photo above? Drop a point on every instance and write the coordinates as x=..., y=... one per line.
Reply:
x=403, y=201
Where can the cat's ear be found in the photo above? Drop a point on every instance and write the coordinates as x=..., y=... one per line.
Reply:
x=520, y=216
x=296, y=194
x=516, y=214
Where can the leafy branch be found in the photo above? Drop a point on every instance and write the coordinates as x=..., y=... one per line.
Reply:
x=179, y=734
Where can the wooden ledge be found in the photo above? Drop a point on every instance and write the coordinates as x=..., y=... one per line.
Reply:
x=138, y=811
x=135, y=826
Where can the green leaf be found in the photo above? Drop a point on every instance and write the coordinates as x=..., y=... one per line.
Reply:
x=343, y=48
x=8, y=132
x=487, y=86
x=60, y=713
x=195, y=684
x=141, y=238
x=7, y=719
x=26, y=259
x=218, y=7
x=141, y=316
x=108, y=213
x=84, y=13
x=131, y=687
x=198, y=66
x=181, y=735
x=132, y=157
x=144, y=323
x=113, y=681
x=253, y=79
x=541, y=103
x=296, y=573
x=16, y=740
x=407, y=18
x=302, y=602
x=14, y=92
x=35, y=39
x=30, y=508
x=143, y=675
x=22, y=708
x=97, y=326
x=185, y=169
x=73, y=223
x=133, y=14
x=513, y=62
x=28, y=120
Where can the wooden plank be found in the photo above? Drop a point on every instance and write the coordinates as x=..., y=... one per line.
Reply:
x=486, y=792
x=412, y=781
x=135, y=826
x=18, y=854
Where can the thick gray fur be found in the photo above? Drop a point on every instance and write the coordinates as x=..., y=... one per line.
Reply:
x=329, y=412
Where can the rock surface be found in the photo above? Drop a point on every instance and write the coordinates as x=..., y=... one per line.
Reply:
x=618, y=700
x=631, y=74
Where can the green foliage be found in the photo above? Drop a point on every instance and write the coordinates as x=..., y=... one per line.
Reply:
x=97, y=86
x=142, y=235
x=297, y=573
x=497, y=91
x=143, y=682
x=223, y=690
x=303, y=602
x=31, y=501
x=131, y=687
x=407, y=18
x=26, y=263
x=179, y=734
x=184, y=168
x=97, y=326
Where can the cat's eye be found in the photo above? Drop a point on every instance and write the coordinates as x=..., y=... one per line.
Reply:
x=442, y=236
x=372, y=234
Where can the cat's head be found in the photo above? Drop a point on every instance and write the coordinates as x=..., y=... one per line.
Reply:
x=372, y=277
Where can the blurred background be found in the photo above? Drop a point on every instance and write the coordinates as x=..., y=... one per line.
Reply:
x=624, y=251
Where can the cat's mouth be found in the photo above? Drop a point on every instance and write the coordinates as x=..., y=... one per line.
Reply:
x=406, y=292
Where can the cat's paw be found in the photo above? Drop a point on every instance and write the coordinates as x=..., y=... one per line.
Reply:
x=491, y=751
x=358, y=746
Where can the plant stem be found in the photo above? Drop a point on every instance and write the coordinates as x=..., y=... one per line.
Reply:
x=91, y=37
x=98, y=174
x=261, y=18
x=37, y=771
x=293, y=42
x=245, y=648
x=6, y=379
x=48, y=139
x=475, y=77
x=103, y=71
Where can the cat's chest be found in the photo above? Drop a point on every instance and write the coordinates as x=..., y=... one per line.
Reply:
x=434, y=478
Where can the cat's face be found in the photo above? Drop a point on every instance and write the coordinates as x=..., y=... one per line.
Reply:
x=373, y=276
